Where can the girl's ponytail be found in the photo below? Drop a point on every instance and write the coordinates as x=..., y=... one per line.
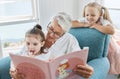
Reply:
x=38, y=26
x=106, y=14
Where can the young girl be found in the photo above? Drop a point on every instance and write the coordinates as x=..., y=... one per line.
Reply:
x=34, y=47
x=35, y=40
x=97, y=17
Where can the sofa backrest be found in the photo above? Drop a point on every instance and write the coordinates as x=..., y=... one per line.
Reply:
x=96, y=41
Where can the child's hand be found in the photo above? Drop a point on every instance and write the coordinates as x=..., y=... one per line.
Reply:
x=15, y=75
x=87, y=25
x=94, y=25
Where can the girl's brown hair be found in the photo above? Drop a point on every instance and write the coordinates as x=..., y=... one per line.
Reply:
x=37, y=31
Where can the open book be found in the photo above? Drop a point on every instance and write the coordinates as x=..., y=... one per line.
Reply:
x=58, y=68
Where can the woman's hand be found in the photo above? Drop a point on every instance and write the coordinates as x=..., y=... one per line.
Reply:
x=84, y=70
x=16, y=75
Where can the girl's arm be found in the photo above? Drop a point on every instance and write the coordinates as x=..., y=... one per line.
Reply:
x=108, y=29
x=76, y=23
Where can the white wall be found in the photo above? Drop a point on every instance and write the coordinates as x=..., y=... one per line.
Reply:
x=49, y=8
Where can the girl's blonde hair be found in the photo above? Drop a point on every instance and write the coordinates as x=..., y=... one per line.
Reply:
x=102, y=10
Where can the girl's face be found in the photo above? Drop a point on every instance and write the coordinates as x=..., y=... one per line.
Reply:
x=92, y=14
x=33, y=45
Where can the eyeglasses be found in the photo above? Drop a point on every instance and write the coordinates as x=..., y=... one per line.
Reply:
x=51, y=31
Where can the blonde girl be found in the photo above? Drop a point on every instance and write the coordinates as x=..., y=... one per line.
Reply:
x=95, y=16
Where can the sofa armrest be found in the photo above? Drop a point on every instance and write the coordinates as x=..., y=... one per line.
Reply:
x=4, y=68
x=101, y=67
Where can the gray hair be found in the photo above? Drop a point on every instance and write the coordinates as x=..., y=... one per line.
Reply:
x=64, y=20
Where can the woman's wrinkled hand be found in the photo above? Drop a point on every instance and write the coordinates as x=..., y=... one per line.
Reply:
x=84, y=70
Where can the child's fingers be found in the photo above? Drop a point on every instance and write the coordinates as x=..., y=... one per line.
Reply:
x=92, y=27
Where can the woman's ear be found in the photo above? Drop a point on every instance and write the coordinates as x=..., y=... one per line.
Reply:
x=42, y=43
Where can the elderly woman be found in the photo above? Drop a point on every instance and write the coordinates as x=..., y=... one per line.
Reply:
x=60, y=42
x=58, y=36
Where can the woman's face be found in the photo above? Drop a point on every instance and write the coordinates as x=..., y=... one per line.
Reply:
x=33, y=45
x=92, y=14
x=54, y=31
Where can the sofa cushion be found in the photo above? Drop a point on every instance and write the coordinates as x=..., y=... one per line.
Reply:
x=92, y=38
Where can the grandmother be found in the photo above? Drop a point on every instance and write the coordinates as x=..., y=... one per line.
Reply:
x=60, y=42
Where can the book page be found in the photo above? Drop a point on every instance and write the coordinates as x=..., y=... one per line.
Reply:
x=32, y=68
x=62, y=67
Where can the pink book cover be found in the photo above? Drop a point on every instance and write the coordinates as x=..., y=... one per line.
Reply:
x=58, y=68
